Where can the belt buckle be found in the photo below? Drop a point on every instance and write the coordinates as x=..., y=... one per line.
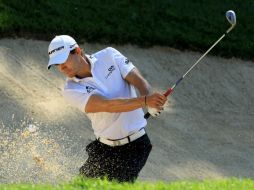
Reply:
x=116, y=143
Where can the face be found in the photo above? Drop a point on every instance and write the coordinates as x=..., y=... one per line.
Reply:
x=71, y=66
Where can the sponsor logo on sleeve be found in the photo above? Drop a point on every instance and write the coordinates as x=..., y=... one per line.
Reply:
x=126, y=61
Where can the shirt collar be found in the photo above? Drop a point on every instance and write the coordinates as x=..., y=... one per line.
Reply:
x=92, y=61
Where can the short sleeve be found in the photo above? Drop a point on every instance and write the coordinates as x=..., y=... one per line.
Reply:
x=124, y=64
x=78, y=98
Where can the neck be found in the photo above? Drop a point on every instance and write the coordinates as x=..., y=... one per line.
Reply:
x=85, y=70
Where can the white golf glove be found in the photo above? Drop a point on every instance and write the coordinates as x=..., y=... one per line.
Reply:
x=153, y=111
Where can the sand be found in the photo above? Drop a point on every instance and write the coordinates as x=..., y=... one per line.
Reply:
x=205, y=132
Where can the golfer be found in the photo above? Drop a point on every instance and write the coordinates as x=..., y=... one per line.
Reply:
x=102, y=85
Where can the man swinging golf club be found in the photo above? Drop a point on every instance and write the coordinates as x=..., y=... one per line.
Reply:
x=102, y=85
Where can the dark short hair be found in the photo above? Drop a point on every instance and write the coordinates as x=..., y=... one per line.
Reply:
x=73, y=51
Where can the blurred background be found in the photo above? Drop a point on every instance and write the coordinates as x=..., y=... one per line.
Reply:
x=176, y=23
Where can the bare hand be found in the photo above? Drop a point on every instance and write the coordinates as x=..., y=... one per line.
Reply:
x=156, y=100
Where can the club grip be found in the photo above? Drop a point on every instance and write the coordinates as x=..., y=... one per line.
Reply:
x=169, y=91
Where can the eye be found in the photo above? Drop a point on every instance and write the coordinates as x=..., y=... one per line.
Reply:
x=57, y=65
x=61, y=66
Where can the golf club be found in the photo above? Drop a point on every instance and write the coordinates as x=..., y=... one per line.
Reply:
x=231, y=17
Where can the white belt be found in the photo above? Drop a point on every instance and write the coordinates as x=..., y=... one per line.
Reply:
x=126, y=140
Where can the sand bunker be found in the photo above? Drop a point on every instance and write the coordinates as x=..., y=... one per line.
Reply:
x=205, y=132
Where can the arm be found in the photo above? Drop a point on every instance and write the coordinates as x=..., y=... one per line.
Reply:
x=135, y=78
x=98, y=103
x=138, y=81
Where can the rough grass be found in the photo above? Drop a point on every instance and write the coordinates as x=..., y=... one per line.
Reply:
x=183, y=24
x=227, y=184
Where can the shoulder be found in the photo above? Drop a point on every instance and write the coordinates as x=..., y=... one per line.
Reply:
x=106, y=52
x=77, y=94
x=72, y=87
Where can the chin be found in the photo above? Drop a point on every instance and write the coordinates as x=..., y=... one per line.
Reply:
x=70, y=75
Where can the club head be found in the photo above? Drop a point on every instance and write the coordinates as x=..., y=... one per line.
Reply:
x=231, y=17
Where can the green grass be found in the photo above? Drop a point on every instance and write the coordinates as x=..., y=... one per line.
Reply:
x=194, y=24
x=227, y=184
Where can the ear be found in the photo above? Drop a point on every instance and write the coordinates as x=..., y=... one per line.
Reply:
x=78, y=50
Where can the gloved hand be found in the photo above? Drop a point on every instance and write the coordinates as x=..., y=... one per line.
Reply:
x=153, y=111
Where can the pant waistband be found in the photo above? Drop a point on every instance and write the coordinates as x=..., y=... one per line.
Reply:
x=123, y=141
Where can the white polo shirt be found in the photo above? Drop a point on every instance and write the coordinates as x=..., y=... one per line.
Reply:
x=109, y=68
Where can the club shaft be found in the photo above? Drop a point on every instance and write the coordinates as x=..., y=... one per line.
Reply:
x=204, y=54
x=170, y=90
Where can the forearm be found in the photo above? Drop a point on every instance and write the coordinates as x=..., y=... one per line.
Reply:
x=99, y=104
x=124, y=105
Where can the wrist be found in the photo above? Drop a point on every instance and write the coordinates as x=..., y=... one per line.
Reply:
x=143, y=101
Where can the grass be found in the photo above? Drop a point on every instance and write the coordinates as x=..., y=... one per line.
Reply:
x=226, y=184
x=182, y=24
